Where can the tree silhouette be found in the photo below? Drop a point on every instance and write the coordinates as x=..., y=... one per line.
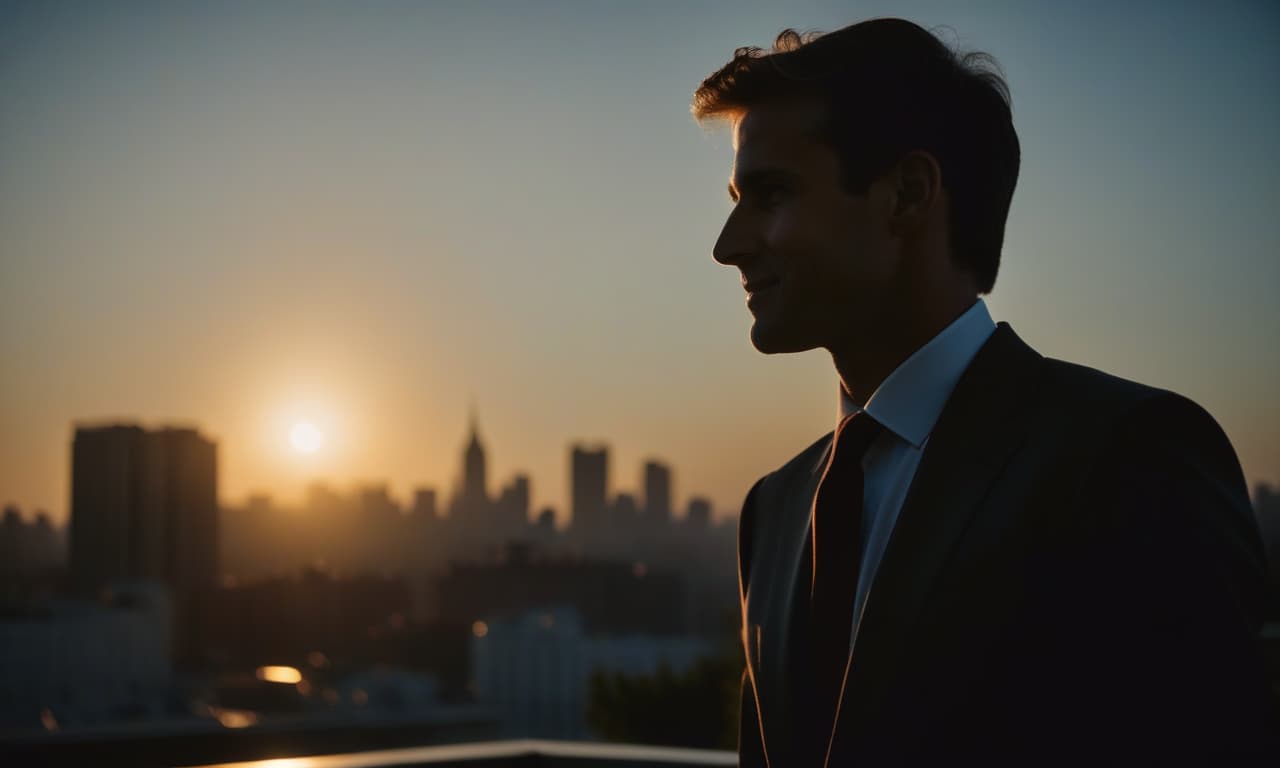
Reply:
x=695, y=709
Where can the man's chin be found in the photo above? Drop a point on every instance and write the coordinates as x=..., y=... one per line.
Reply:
x=772, y=340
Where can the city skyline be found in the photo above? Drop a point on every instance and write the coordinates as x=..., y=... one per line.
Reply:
x=158, y=608
x=251, y=216
x=471, y=481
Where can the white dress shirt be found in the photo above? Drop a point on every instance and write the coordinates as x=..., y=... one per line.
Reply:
x=908, y=403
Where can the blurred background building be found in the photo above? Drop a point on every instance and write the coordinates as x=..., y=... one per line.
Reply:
x=534, y=667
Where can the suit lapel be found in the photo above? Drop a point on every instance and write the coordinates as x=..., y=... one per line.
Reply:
x=785, y=705
x=981, y=426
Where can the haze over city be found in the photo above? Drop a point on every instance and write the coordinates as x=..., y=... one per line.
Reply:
x=253, y=217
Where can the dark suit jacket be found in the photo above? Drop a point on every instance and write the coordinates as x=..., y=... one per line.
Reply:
x=1076, y=577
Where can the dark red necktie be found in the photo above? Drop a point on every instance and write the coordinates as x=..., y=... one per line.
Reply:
x=837, y=557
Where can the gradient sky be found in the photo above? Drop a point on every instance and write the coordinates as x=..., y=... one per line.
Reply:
x=373, y=214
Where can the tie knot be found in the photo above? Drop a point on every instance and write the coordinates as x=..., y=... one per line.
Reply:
x=855, y=434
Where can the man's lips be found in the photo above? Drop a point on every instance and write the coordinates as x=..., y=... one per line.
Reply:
x=755, y=285
x=757, y=289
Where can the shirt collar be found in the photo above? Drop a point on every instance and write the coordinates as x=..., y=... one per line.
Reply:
x=910, y=400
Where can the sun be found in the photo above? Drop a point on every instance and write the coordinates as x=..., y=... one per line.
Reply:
x=305, y=438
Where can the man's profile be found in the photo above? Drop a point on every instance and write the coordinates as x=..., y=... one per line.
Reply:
x=995, y=556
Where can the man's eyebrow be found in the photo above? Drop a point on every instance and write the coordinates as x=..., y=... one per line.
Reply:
x=755, y=178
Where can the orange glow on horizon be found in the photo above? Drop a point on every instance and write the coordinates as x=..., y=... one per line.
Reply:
x=303, y=434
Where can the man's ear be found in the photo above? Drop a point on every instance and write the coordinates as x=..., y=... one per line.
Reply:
x=917, y=190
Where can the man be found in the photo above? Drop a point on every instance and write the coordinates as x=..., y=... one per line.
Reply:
x=996, y=557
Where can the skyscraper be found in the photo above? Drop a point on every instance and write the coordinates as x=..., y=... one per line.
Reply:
x=589, y=481
x=424, y=504
x=513, y=507
x=657, y=493
x=474, y=480
x=107, y=541
x=144, y=507
x=470, y=510
x=698, y=514
x=189, y=505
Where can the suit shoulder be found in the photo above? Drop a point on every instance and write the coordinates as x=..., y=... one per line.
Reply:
x=766, y=500
x=1074, y=386
x=800, y=468
x=1123, y=413
x=770, y=489
x=804, y=460
x=1090, y=396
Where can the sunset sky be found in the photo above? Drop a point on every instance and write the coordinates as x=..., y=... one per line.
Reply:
x=369, y=216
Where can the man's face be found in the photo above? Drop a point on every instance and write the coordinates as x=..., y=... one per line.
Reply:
x=817, y=262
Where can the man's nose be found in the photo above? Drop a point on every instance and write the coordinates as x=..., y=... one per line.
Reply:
x=735, y=242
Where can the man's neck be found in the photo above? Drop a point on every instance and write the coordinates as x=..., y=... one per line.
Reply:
x=864, y=363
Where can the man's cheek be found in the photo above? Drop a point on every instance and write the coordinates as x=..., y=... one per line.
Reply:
x=784, y=231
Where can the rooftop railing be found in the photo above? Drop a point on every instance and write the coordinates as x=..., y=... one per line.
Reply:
x=543, y=754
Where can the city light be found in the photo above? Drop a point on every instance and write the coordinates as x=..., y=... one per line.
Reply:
x=287, y=675
x=234, y=718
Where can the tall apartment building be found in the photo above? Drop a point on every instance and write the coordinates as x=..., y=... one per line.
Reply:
x=589, y=481
x=144, y=508
x=657, y=492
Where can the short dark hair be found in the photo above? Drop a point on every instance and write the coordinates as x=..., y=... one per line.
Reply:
x=888, y=87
